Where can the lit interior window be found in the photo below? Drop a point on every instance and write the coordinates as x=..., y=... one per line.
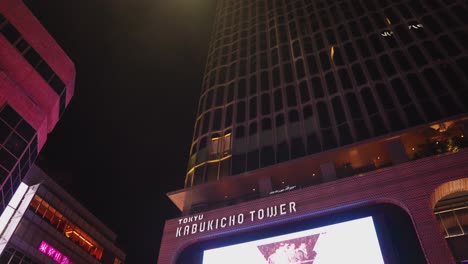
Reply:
x=61, y=223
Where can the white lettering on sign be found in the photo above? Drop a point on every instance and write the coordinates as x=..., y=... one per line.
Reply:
x=194, y=224
x=410, y=27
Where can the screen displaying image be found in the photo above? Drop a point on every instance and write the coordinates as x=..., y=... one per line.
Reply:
x=347, y=242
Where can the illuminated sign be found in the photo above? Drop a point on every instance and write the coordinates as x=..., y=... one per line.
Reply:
x=353, y=241
x=196, y=224
x=53, y=253
x=285, y=189
x=410, y=27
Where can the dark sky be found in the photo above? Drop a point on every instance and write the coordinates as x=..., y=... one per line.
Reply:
x=123, y=142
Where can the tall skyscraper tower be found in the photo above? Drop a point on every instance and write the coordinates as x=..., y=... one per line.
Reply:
x=36, y=84
x=331, y=95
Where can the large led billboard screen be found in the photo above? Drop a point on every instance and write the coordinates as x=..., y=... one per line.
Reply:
x=347, y=242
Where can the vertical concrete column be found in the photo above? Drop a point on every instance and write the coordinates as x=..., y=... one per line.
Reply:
x=397, y=151
x=328, y=171
x=265, y=186
x=433, y=243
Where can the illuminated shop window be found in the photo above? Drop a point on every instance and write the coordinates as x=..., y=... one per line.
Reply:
x=62, y=224
x=220, y=146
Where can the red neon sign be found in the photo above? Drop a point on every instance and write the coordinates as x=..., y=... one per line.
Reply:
x=53, y=253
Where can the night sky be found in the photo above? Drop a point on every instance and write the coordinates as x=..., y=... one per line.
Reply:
x=124, y=139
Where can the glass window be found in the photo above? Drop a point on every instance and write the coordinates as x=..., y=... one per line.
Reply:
x=345, y=80
x=253, y=85
x=362, y=131
x=417, y=56
x=413, y=115
x=431, y=24
x=253, y=107
x=267, y=156
x=240, y=132
x=331, y=83
x=384, y=96
x=296, y=49
x=376, y=44
x=338, y=110
x=253, y=128
x=297, y=148
x=300, y=72
x=400, y=91
x=10, y=116
x=228, y=121
x=450, y=106
x=240, y=112
x=345, y=135
x=329, y=139
x=358, y=74
x=285, y=53
x=241, y=89
x=238, y=163
x=434, y=81
x=350, y=53
x=282, y=152
x=265, y=104
x=264, y=81
x=449, y=46
x=313, y=69
x=387, y=65
x=206, y=122
x=230, y=95
x=313, y=144
x=378, y=125
x=317, y=87
x=304, y=91
x=353, y=105
x=307, y=111
x=402, y=60
x=278, y=100
x=276, y=77
x=369, y=101
x=279, y=120
x=288, y=73
x=15, y=144
x=325, y=60
x=363, y=47
x=324, y=118
x=10, y=32
x=373, y=70
x=431, y=111
x=266, y=124
x=293, y=116
x=291, y=96
x=220, y=96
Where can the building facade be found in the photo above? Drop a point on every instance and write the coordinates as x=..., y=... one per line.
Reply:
x=44, y=224
x=36, y=84
x=335, y=106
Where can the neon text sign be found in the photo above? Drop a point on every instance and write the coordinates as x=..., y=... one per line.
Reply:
x=53, y=253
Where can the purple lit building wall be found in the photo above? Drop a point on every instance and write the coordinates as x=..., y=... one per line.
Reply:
x=36, y=83
x=345, y=108
x=40, y=223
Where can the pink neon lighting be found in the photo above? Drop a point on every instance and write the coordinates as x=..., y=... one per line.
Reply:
x=53, y=253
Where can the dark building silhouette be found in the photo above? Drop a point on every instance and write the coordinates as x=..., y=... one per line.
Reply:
x=364, y=100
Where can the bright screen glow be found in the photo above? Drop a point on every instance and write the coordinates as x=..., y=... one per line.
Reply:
x=347, y=242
